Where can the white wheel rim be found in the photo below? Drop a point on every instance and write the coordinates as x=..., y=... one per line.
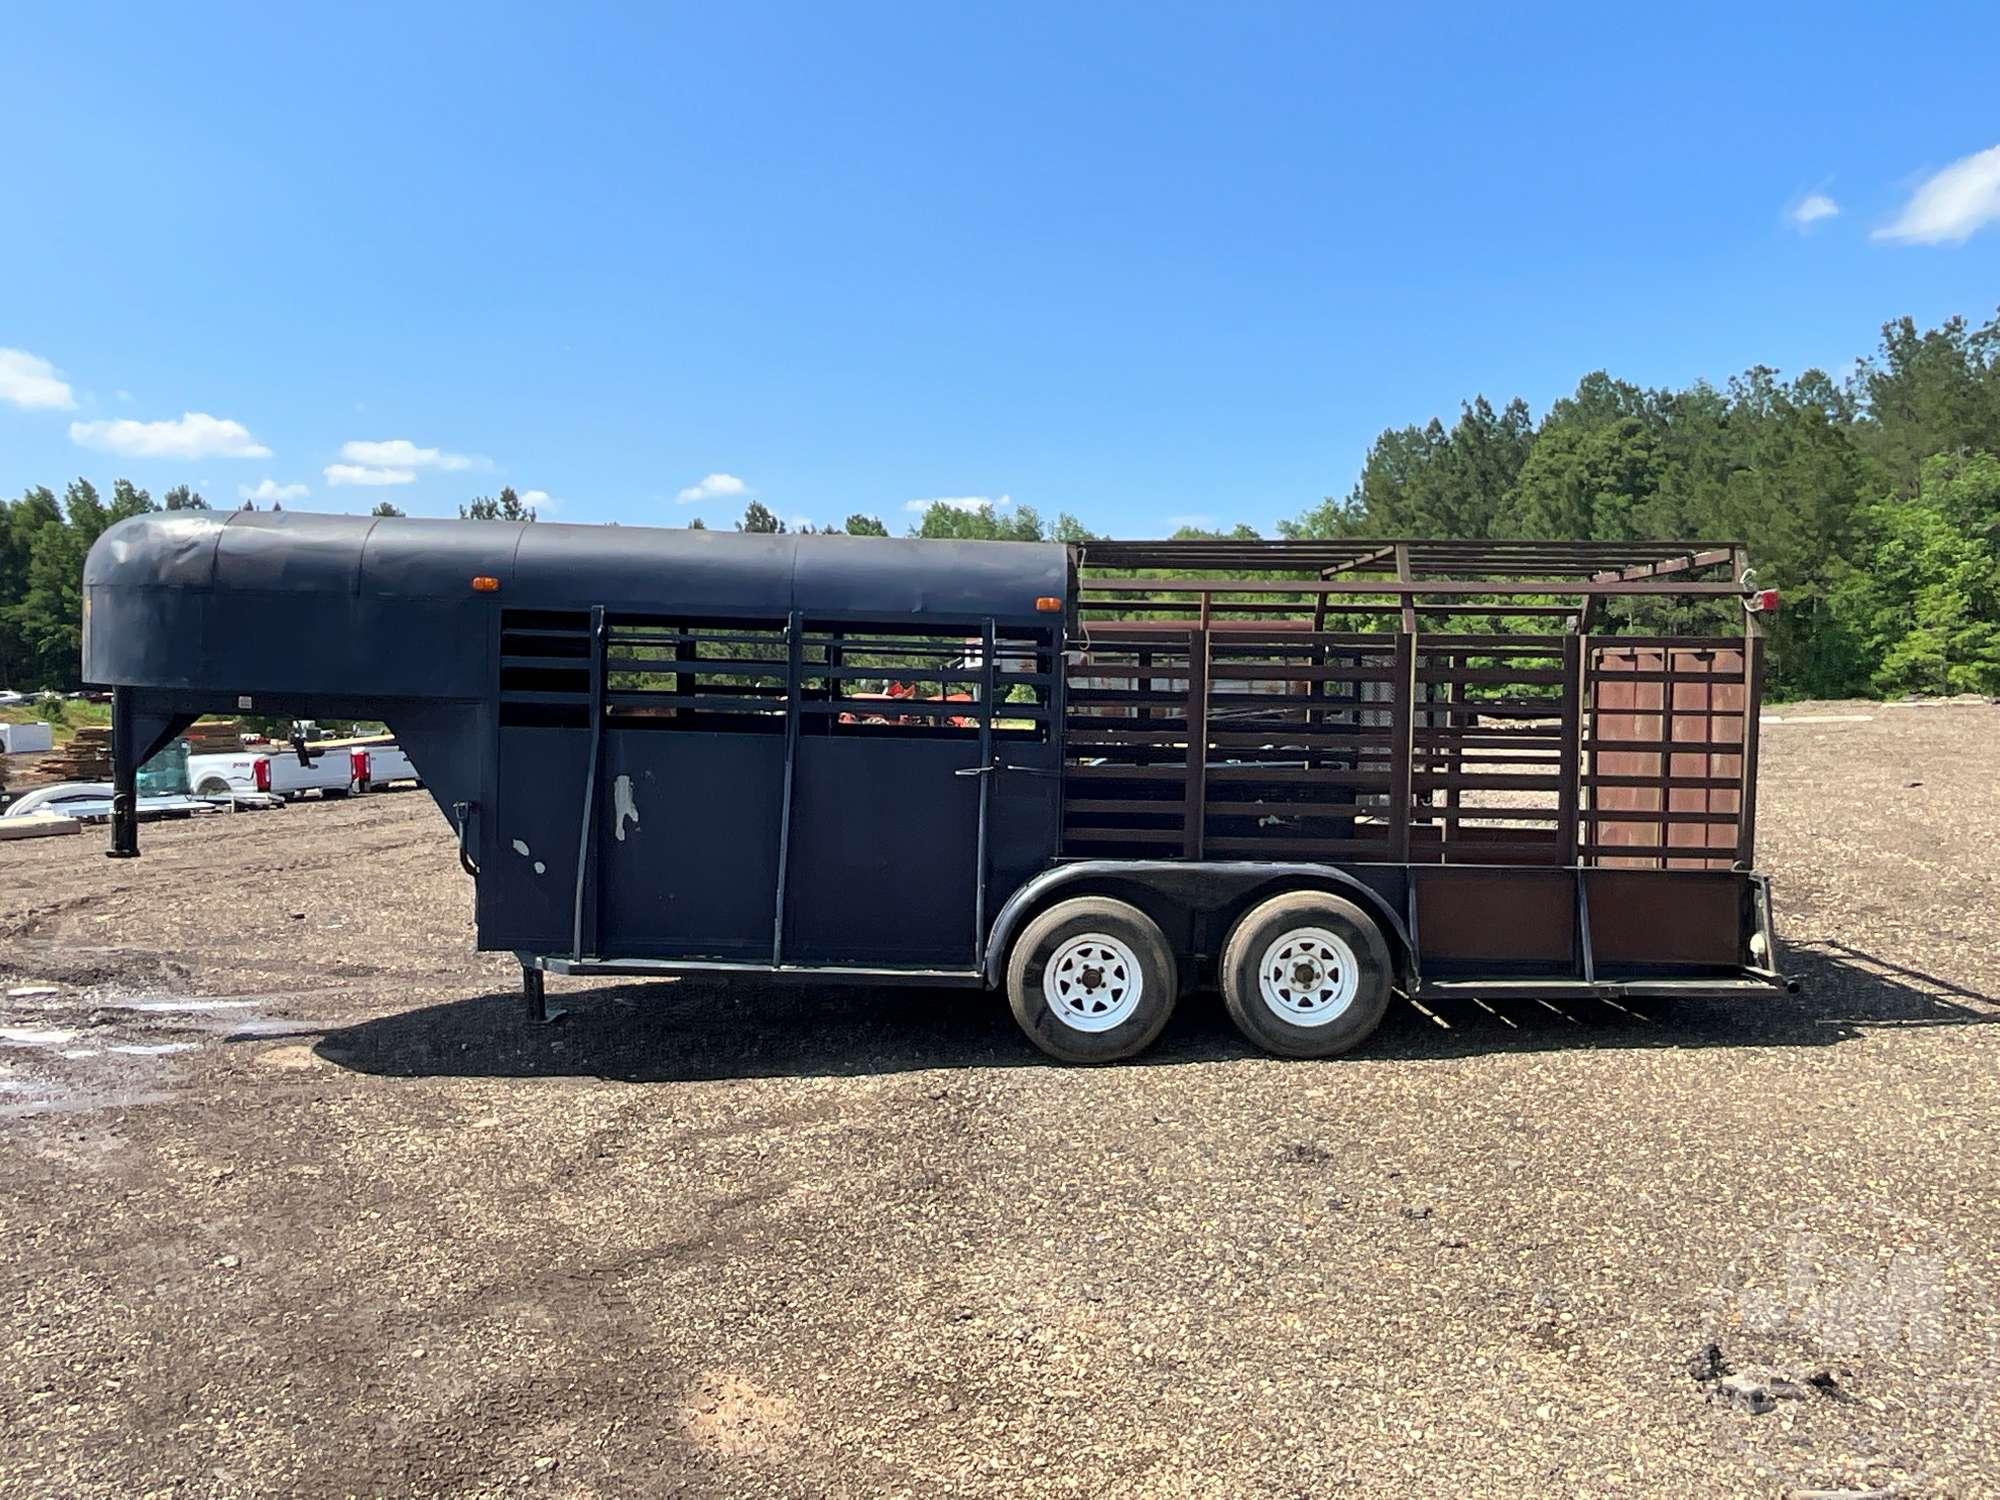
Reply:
x=1093, y=983
x=1308, y=976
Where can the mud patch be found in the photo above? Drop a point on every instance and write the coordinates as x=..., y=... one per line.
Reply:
x=297, y=1058
x=726, y=1415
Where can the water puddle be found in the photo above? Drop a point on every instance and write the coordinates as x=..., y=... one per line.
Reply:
x=71, y=1049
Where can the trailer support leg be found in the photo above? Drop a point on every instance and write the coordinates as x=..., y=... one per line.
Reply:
x=124, y=777
x=534, y=997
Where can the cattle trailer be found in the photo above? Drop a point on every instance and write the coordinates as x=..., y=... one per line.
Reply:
x=1095, y=775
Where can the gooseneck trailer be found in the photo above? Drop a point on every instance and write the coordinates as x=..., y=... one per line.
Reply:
x=1096, y=775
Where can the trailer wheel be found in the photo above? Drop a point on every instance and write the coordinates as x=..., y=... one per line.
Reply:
x=1092, y=980
x=1306, y=975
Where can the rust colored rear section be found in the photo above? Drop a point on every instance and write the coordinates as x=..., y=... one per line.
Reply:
x=1565, y=790
x=1652, y=806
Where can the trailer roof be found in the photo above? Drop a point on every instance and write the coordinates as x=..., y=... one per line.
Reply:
x=552, y=566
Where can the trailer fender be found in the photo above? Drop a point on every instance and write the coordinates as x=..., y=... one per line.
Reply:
x=1200, y=883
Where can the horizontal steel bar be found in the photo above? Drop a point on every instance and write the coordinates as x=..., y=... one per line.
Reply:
x=830, y=973
x=1437, y=588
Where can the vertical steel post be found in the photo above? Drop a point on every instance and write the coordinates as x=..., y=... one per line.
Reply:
x=795, y=657
x=1408, y=599
x=1194, y=806
x=583, y=915
x=1569, y=760
x=1668, y=696
x=988, y=688
x=1402, y=750
x=1753, y=702
x=124, y=776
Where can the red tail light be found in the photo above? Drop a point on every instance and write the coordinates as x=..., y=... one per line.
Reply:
x=262, y=770
x=357, y=764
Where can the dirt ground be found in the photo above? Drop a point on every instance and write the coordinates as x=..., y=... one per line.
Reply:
x=295, y=1202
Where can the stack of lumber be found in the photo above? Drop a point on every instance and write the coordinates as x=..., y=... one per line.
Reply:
x=87, y=757
x=214, y=736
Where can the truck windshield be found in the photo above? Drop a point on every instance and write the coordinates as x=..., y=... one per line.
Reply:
x=166, y=774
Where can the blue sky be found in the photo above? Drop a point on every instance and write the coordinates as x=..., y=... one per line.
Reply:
x=1144, y=263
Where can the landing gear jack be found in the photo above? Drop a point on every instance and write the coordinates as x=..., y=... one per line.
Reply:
x=534, y=998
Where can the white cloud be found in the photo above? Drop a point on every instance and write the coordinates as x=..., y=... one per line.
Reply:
x=340, y=474
x=29, y=381
x=713, y=487
x=961, y=502
x=541, y=500
x=1810, y=209
x=1949, y=206
x=270, y=489
x=401, y=453
x=195, y=435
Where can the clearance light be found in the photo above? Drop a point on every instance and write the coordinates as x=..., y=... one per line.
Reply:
x=1048, y=604
x=485, y=584
x=1764, y=601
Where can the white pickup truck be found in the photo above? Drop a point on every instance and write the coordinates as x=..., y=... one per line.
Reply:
x=283, y=769
x=376, y=765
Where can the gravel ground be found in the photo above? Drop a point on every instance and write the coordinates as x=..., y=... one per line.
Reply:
x=297, y=1203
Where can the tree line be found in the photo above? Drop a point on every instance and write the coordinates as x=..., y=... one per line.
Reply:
x=1872, y=501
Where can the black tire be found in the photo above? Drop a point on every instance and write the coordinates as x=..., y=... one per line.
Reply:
x=1100, y=979
x=1294, y=1020
x=212, y=788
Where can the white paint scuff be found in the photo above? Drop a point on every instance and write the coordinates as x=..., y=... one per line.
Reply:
x=622, y=805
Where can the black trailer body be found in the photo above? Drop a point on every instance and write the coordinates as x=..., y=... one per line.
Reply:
x=1094, y=775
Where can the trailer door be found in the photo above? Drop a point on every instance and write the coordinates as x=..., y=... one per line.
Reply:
x=915, y=796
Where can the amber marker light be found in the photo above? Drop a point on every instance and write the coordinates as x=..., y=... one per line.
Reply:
x=1048, y=604
x=485, y=584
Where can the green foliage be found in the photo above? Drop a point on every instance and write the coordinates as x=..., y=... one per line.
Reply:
x=1427, y=481
x=860, y=525
x=989, y=523
x=1925, y=605
x=180, y=497
x=757, y=517
x=1799, y=470
x=506, y=506
x=385, y=509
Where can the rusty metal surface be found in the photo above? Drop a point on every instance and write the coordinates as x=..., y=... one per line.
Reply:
x=1568, y=802
x=1669, y=808
x=1681, y=916
x=1493, y=916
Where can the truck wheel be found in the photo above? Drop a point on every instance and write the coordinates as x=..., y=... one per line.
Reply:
x=212, y=788
x=1306, y=975
x=1092, y=980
